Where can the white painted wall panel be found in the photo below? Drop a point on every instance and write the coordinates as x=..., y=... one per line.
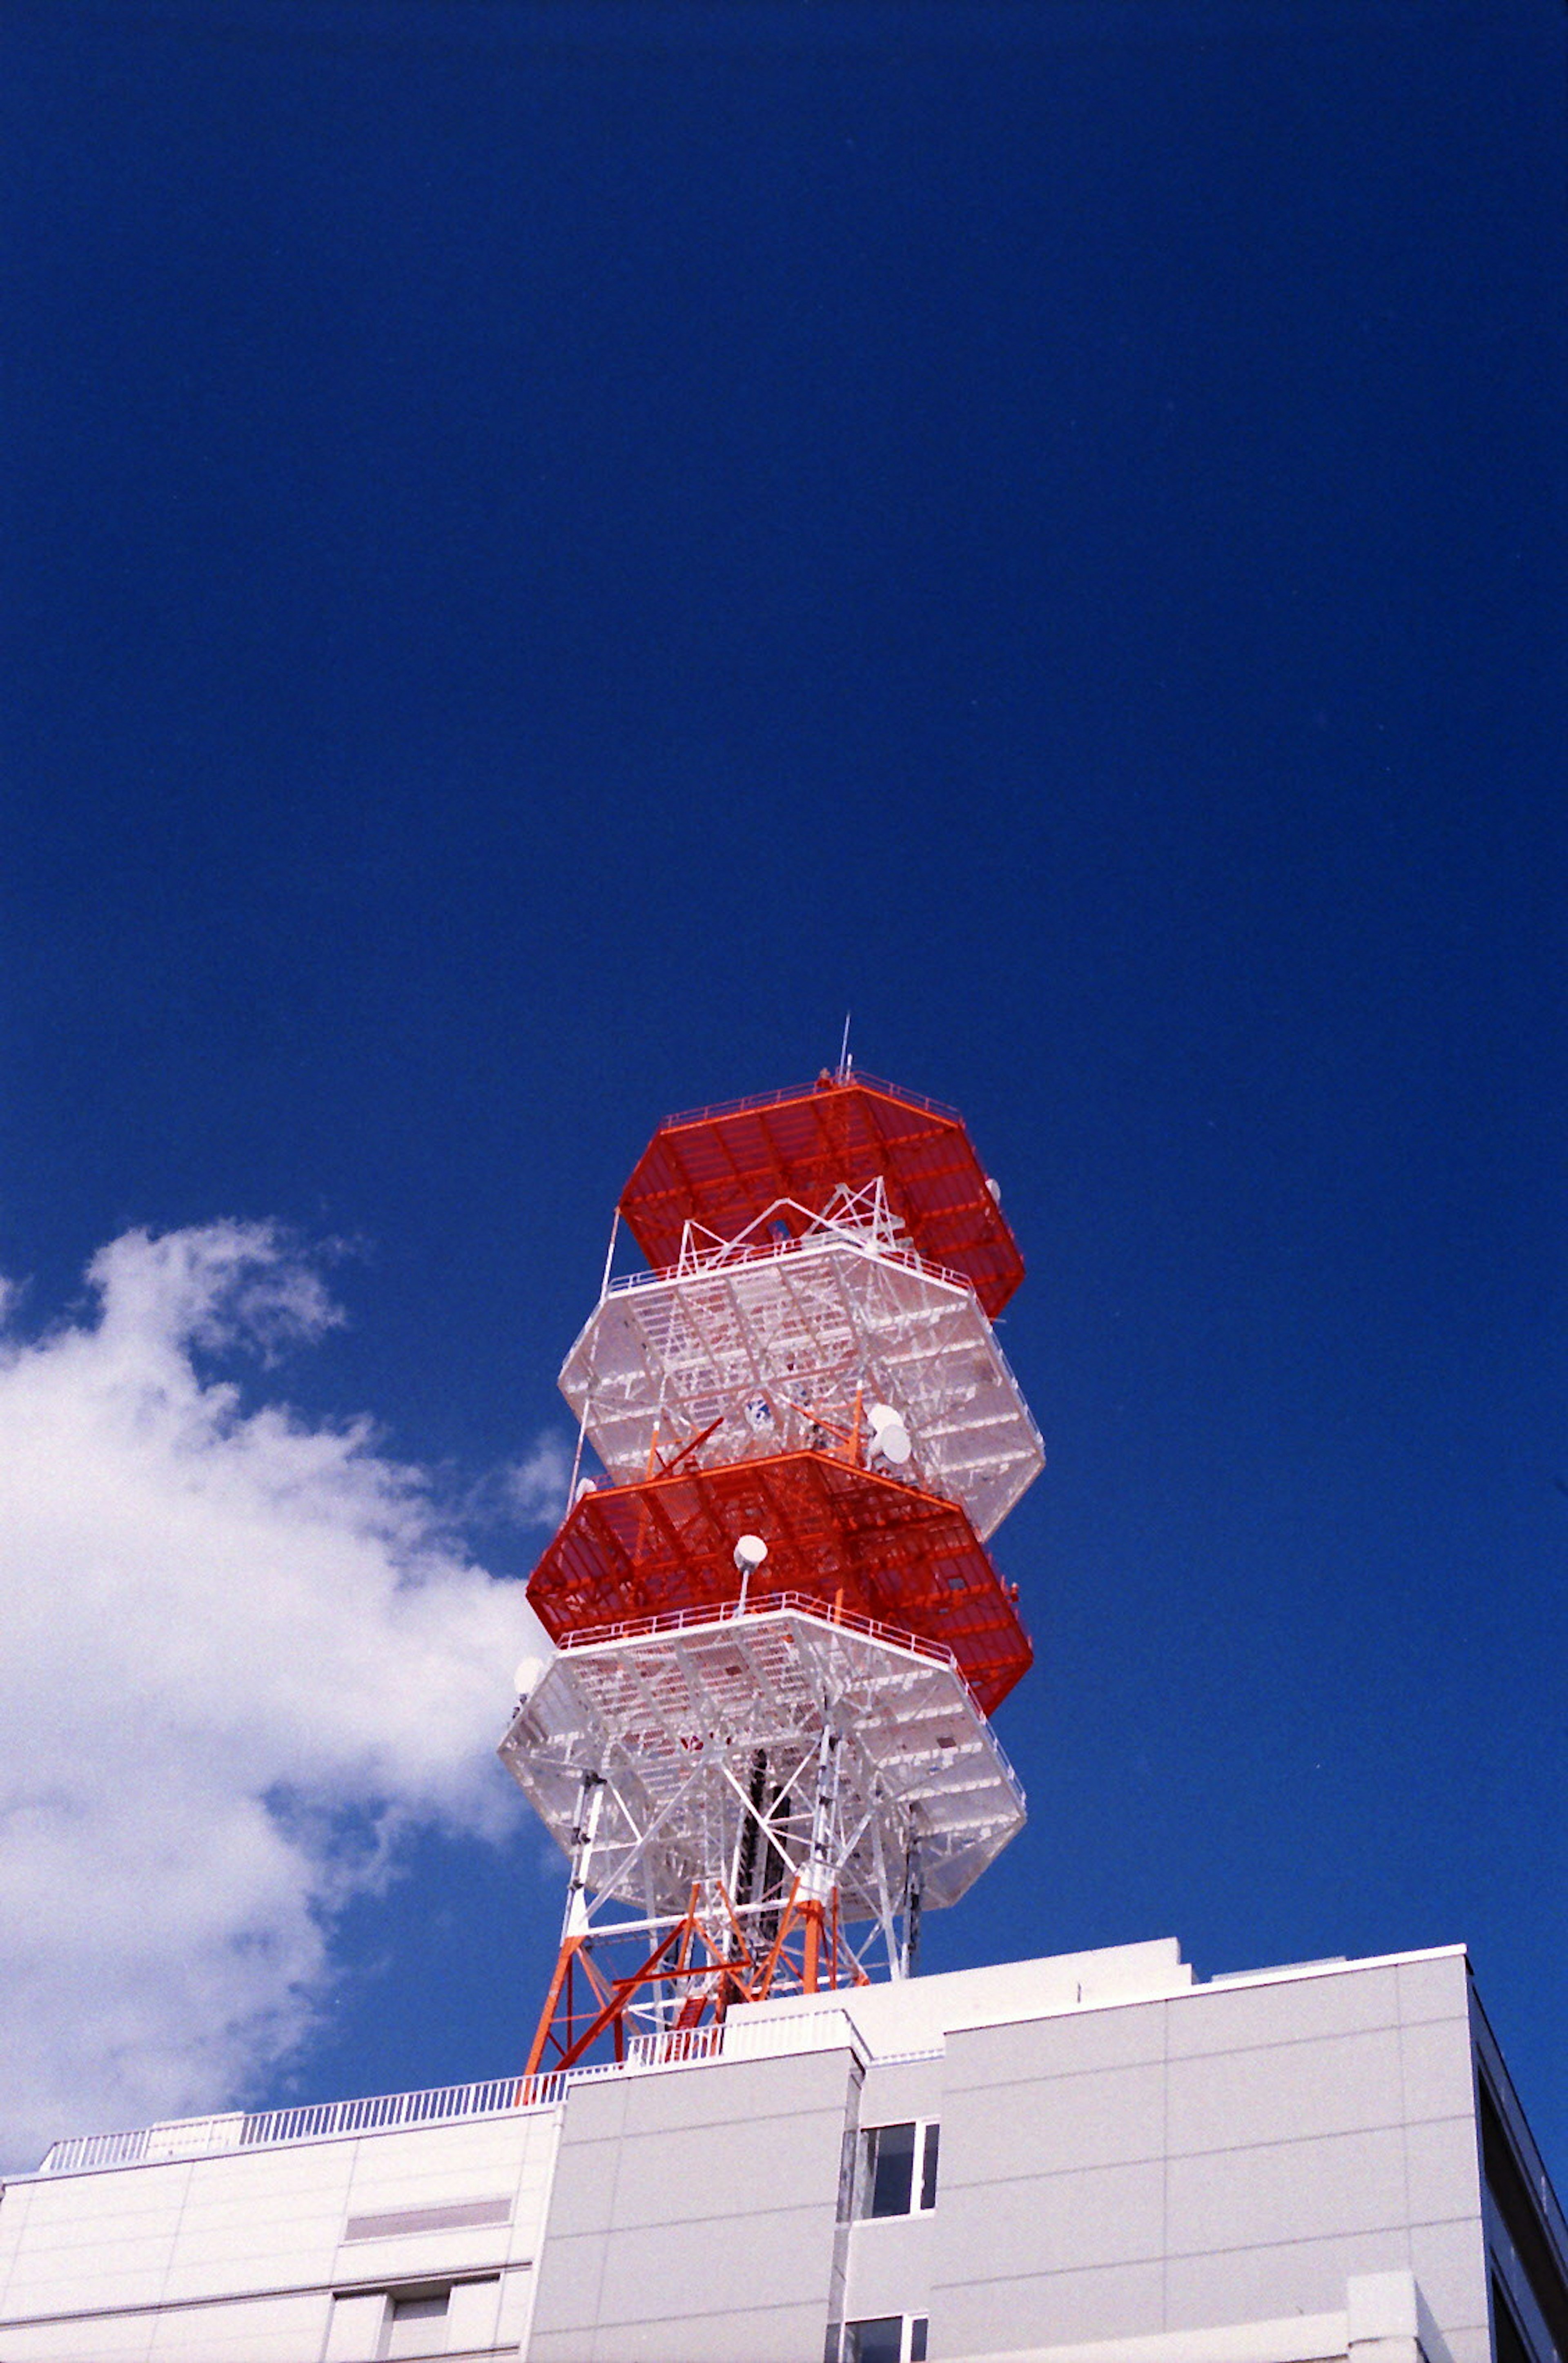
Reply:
x=1435, y=1988
x=889, y=2268
x=1335, y=2084
x=1288, y=2190
x=1048, y=2309
x=1242, y=2284
x=471, y=2315
x=1437, y=2071
x=516, y=2309
x=1282, y=2009
x=122, y=2341
x=1099, y=2215
x=258, y=2330
x=1442, y=2168
x=1115, y=2118
x=354, y=2329
x=1076, y=2043
x=112, y=2235
x=1449, y=2262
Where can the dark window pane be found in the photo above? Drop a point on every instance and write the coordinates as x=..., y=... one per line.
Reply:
x=1511, y=2347
x=917, y=2330
x=929, y=2170
x=891, y=2158
x=875, y=2342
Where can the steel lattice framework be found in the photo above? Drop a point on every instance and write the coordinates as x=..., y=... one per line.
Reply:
x=722, y=1167
x=747, y=1350
x=763, y=1741
x=680, y=1720
x=844, y=1536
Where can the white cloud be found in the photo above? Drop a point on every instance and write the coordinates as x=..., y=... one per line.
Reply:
x=239, y=1652
x=534, y=1487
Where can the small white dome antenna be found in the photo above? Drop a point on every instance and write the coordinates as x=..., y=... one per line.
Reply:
x=749, y=1553
x=531, y=1673
x=890, y=1438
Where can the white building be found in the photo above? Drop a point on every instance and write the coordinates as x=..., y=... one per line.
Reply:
x=1086, y=2159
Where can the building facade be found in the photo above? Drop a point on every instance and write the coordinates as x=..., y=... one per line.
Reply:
x=1091, y=2158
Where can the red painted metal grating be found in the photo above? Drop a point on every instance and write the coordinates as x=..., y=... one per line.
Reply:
x=724, y=1167
x=840, y=1534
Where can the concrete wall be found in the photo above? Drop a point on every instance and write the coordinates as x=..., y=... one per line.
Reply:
x=277, y=2256
x=1180, y=2174
x=1216, y=2157
x=1238, y=2153
x=693, y=2216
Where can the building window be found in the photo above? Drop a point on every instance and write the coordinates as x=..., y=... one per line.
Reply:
x=896, y=2169
x=888, y=2338
x=1508, y=2186
x=417, y=2325
x=1512, y=2346
x=414, y=2318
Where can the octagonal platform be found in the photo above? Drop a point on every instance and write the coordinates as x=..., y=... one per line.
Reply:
x=693, y=1724
x=722, y=1168
x=843, y=1536
x=740, y=1357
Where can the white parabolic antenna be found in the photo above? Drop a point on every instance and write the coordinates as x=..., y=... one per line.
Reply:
x=749, y=1553
x=889, y=1437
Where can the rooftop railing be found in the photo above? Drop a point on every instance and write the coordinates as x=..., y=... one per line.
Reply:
x=192, y=2137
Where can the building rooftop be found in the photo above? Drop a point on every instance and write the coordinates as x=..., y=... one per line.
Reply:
x=905, y=2019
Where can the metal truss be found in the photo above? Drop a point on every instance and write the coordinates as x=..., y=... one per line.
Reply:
x=845, y=1538
x=723, y=1166
x=823, y=1785
x=762, y=1741
x=662, y=1985
x=690, y=1751
x=759, y=1346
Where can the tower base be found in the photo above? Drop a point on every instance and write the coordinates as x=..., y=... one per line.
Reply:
x=668, y=1981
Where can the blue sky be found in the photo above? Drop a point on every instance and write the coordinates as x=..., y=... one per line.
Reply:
x=549, y=552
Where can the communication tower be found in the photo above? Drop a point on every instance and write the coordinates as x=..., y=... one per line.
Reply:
x=764, y=1738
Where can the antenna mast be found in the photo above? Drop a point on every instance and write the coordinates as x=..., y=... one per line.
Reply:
x=764, y=1740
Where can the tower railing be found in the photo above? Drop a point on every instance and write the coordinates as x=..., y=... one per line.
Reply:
x=726, y=1256
x=804, y=1091
x=793, y=1603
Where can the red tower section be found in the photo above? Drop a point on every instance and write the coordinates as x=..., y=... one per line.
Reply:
x=841, y=1536
x=786, y=1156
x=779, y=1645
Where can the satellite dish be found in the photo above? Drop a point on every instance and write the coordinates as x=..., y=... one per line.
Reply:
x=890, y=1439
x=749, y=1553
x=530, y=1674
x=586, y=1485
